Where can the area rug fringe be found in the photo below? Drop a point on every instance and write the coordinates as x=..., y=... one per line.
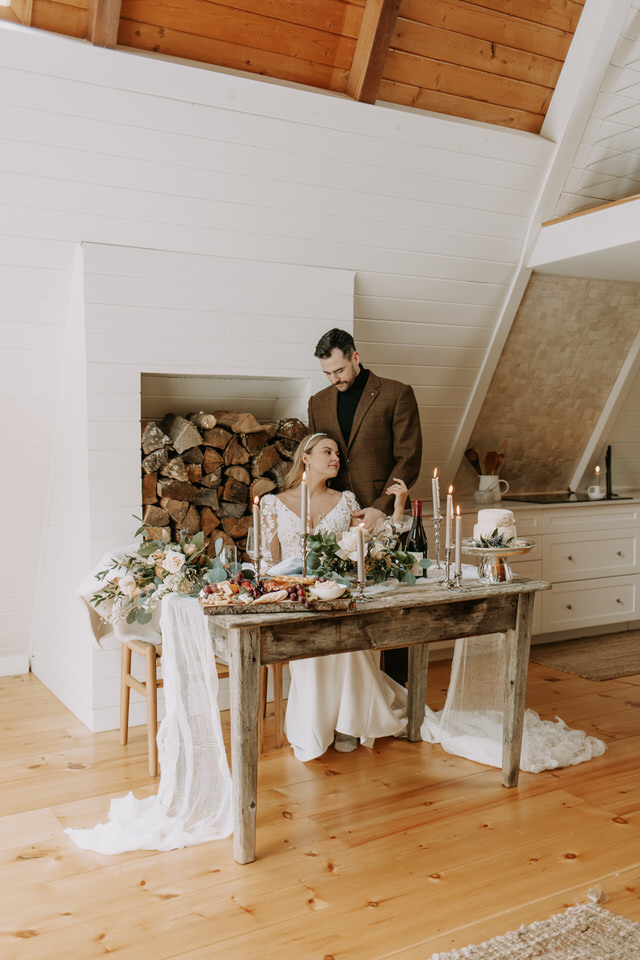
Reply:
x=585, y=932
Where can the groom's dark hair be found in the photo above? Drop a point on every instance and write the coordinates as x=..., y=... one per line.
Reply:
x=332, y=340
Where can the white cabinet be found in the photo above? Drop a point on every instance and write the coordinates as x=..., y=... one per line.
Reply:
x=589, y=554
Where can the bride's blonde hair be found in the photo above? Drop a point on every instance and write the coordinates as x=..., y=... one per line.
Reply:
x=294, y=476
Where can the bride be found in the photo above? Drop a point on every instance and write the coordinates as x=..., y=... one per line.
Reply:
x=343, y=697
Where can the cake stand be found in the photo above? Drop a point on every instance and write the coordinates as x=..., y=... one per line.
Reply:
x=494, y=561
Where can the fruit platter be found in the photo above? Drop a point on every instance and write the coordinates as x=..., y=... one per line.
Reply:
x=281, y=594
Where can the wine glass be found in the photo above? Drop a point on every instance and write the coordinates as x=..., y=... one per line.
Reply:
x=229, y=557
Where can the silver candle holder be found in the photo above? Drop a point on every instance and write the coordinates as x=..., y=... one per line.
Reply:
x=450, y=583
x=436, y=534
x=360, y=596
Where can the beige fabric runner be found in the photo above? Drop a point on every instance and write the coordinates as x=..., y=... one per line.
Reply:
x=586, y=932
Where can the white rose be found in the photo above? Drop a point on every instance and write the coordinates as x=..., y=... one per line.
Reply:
x=377, y=550
x=173, y=561
x=127, y=585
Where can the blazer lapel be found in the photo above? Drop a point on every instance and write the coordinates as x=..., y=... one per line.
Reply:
x=369, y=394
x=331, y=419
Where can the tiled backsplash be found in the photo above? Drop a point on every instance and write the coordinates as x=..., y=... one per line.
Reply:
x=568, y=342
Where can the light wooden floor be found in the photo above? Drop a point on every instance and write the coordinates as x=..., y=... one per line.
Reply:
x=397, y=852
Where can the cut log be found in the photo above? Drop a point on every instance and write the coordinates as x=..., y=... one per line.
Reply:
x=211, y=460
x=255, y=441
x=153, y=438
x=241, y=474
x=177, y=490
x=291, y=427
x=194, y=473
x=235, y=453
x=206, y=498
x=182, y=433
x=159, y=533
x=191, y=522
x=192, y=455
x=229, y=509
x=212, y=479
x=237, y=528
x=177, y=509
x=261, y=486
x=218, y=438
x=234, y=491
x=265, y=460
x=175, y=469
x=238, y=422
x=287, y=447
x=279, y=472
x=149, y=494
x=208, y=521
x=202, y=420
x=153, y=462
x=155, y=516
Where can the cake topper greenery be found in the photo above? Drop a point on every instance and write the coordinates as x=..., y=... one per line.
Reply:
x=493, y=541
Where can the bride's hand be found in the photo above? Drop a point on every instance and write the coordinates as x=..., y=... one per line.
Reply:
x=398, y=489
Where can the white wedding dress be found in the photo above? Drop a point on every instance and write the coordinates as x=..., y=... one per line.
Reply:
x=346, y=692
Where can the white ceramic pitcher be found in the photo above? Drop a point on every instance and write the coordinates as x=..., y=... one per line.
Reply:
x=489, y=483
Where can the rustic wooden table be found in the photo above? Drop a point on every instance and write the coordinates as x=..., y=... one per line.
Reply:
x=409, y=616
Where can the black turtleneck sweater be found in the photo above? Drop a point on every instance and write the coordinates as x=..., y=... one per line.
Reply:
x=348, y=401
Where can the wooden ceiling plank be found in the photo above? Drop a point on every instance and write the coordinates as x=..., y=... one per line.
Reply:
x=103, y=20
x=372, y=48
x=562, y=14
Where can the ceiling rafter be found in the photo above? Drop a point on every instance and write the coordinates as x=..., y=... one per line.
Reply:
x=372, y=47
x=103, y=20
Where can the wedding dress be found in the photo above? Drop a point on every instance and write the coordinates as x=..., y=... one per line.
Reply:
x=344, y=692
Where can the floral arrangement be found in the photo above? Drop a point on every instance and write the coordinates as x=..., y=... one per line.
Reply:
x=135, y=582
x=384, y=558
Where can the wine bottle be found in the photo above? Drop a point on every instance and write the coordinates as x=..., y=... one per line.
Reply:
x=417, y=539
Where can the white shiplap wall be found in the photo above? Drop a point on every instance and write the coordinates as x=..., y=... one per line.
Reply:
x=111, y=148
x=607, y=162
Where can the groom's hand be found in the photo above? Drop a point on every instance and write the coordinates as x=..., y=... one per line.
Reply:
x=369, y=516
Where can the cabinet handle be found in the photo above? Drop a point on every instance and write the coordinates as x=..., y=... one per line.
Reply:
x=569, y=607
x=618, y=553
x=569, y=558
x=618, y=600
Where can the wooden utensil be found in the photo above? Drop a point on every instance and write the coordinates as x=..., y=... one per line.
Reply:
x=490, y=463
x=500, y=460
x=474, y=459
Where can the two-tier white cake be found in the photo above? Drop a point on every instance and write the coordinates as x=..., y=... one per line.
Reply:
x=496, y=519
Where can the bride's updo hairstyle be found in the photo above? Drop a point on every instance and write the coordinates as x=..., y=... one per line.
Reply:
x=294, y=476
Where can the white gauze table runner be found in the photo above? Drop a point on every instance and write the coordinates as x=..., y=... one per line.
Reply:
x=193, y=803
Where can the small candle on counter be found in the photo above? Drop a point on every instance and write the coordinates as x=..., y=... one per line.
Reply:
x=597, y=474
x=435, y=489
x=360, y=548
x=448, y=519
x=303, y=502
x=458, y=541
x=256, y=528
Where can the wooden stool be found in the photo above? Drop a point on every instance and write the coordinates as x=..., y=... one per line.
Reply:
x=148, y=688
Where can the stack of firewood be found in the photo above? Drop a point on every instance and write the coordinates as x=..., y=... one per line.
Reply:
x=202, y=472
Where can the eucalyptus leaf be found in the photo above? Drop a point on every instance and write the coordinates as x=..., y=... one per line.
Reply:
x=143, y=616
x=218, y=545
x=131, y=616
x=147, y=548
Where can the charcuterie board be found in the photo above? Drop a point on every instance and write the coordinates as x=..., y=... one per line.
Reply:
x=283, y=606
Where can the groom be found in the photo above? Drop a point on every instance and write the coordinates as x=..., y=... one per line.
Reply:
x=376, y=425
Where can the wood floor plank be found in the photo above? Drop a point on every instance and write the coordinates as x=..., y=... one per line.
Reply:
x=395, y=852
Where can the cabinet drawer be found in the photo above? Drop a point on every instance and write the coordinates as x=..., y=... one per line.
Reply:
x=588, y=555
x=592, y=519
x=572, y=605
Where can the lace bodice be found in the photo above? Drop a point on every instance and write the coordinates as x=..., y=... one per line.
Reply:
x=278, y=520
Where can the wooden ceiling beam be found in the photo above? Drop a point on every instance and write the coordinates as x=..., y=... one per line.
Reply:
x=103, y=20
x=372, y=47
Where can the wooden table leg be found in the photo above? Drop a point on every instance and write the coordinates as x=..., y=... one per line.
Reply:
x=418, y=662
x=517, y=645
x=244, y=669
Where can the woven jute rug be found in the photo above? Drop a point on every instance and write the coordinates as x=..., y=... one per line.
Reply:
x=582, y=933
x=595, y=658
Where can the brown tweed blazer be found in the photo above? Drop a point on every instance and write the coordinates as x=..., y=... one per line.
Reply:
x=385, y=442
